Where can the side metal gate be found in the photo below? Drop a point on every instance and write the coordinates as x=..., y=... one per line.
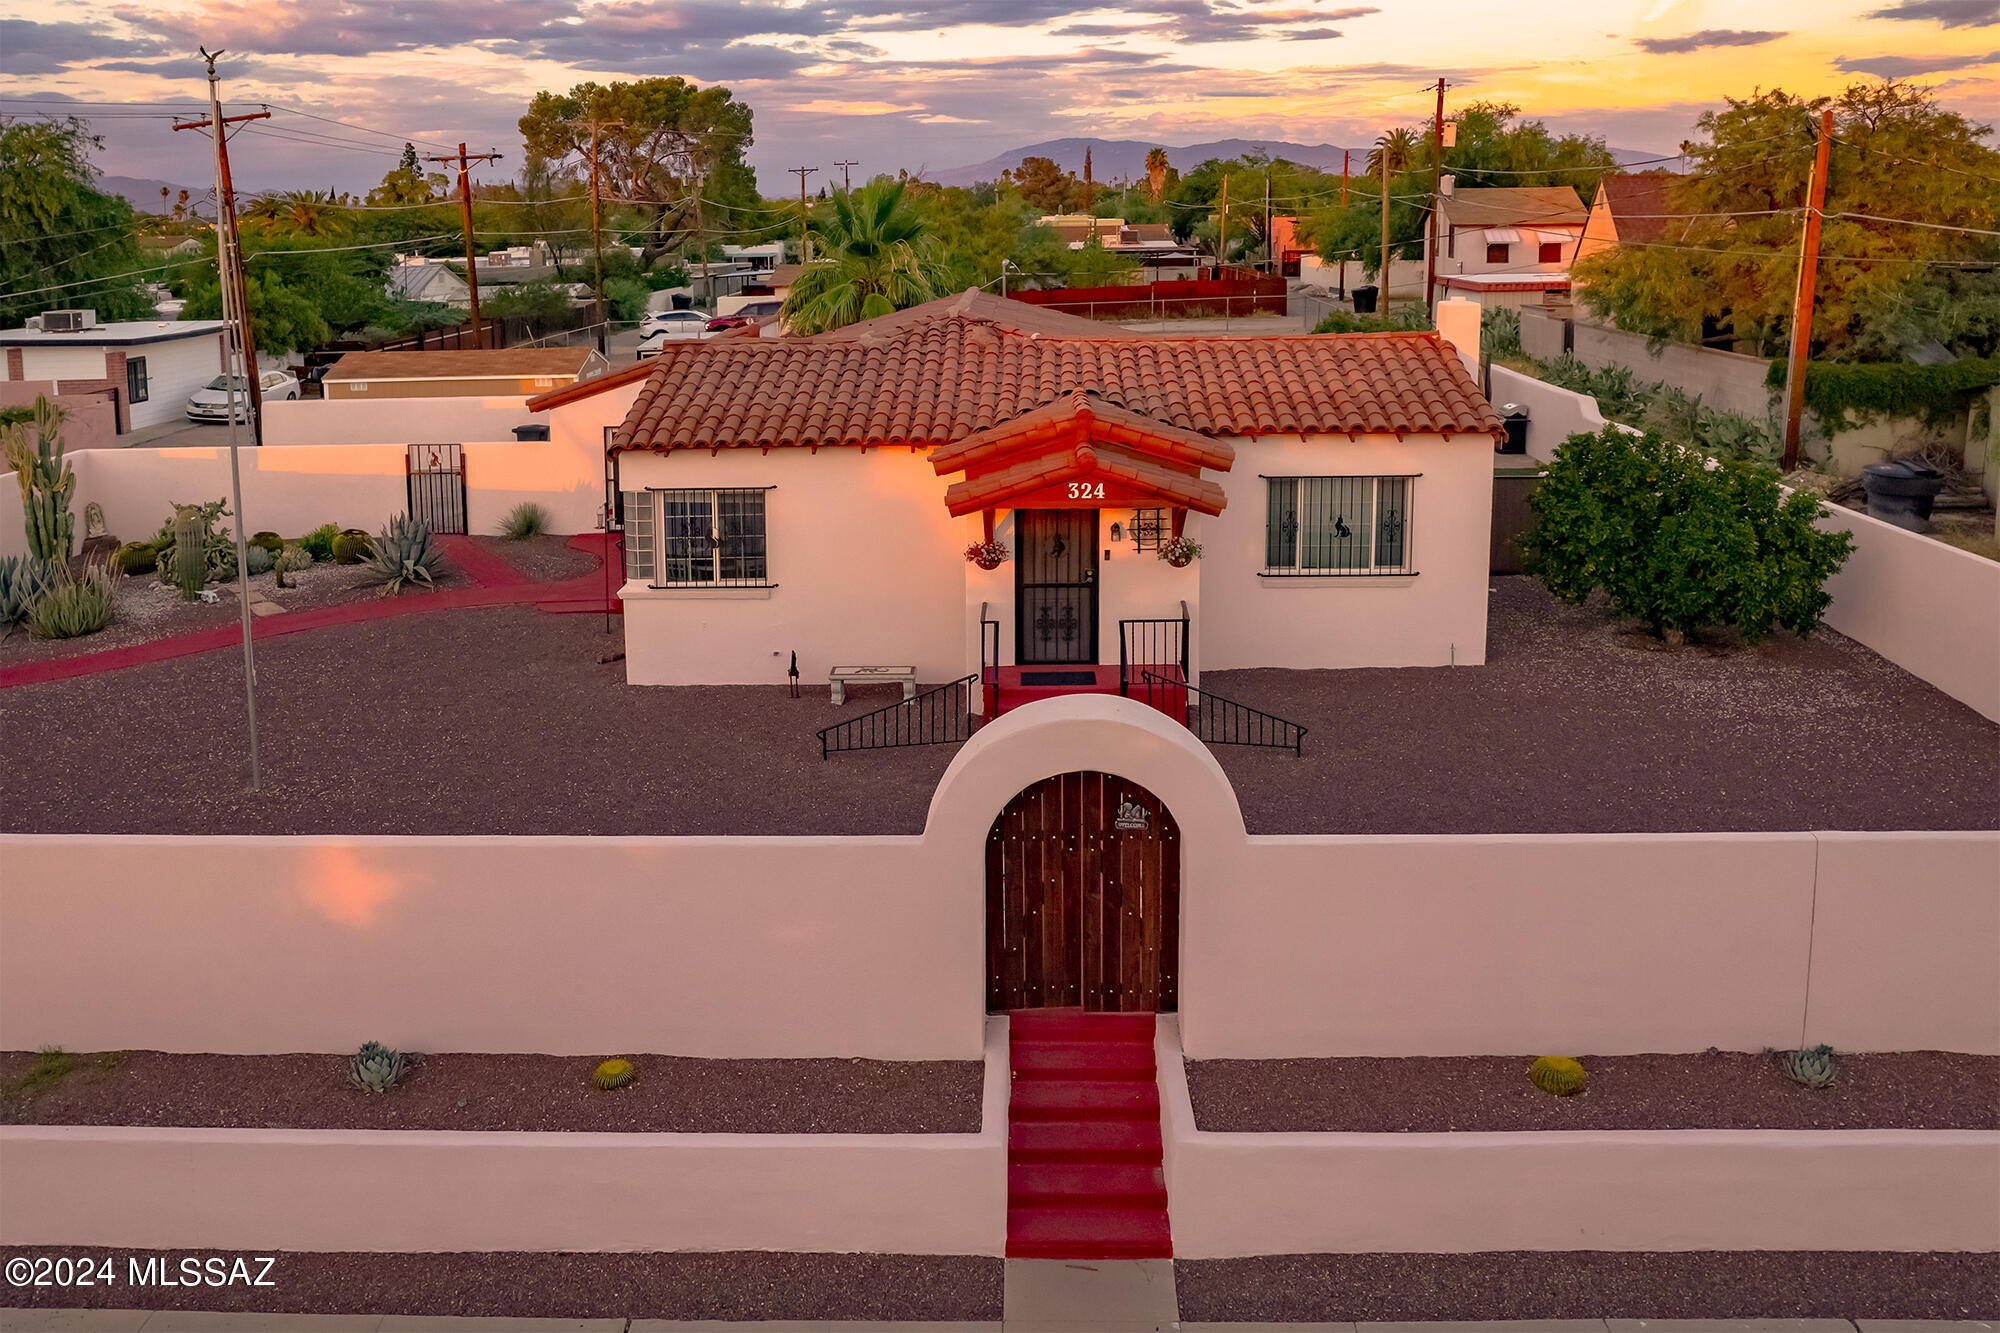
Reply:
x=437, y=486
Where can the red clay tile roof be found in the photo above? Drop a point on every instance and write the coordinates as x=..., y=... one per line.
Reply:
x=1061, y=461
x=942, y=380
x=1083, y=418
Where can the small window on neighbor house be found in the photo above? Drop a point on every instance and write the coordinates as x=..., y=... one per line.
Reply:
x=357, y=386
x=1552, y=252
x=545, y=382
x=135, y=379
x=1337, y=525
x=1496, y=254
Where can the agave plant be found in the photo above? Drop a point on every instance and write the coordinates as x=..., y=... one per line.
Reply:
x=74, y=606
x=375, y=1068
x=402, y=553
x=23, y=581
x=1813, y=1067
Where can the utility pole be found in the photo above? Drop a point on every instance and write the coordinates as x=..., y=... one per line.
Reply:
x=465, y=206
x=1382, y=164
x=229, y=255
x=1343, y=176
x=229, y=242
x=845, y=184
x=1437, y=202
x=1222, y=229
x=805, y=236
x=1267, y=217
x=596, y=229
x=1802, y=309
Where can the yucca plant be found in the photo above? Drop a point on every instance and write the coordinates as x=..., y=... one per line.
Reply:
x=74, y=606
x=402, y=553
x=526, y=519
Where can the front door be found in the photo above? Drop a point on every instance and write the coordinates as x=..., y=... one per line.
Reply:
x=1055, y=589
x=1083, y=876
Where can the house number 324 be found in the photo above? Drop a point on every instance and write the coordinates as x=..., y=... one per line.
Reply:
x=1084, y=490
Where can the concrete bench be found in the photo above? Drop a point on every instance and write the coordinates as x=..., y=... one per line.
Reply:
x=840, y=676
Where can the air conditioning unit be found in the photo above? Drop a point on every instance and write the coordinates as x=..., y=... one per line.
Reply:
x=68, y=321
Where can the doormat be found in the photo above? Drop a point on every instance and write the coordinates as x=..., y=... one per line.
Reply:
x=1058, y=677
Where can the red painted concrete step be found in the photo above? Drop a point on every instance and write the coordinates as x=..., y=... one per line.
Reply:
x=1084, y=1141
x=1085, y=1184
x=1071, y=1025
x=1088, y=1060
x=1088, y=1233
x=1075, y=1099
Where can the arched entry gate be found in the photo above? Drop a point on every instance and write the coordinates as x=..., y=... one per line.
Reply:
x=1083, y=874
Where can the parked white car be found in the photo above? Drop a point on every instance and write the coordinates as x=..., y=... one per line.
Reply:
x=666, y=326
x=211, y=401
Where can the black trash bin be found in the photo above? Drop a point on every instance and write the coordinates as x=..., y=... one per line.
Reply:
x=535, y=432
x=682, y=301
x=1364, y=300
x=1514, y=420
x=1902, y=492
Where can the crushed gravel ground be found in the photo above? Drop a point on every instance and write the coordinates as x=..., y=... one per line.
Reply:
x=1721, y=1090
x=544, y=559
x=668, y=1095
x=508, y=721
x=727, y=1285
x=1590, y=1284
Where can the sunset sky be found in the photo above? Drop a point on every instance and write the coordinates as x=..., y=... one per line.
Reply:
x=894, y=83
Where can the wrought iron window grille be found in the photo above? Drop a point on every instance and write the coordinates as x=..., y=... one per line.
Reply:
x=1150, y=528
x=1339, y=526
x=703, y=537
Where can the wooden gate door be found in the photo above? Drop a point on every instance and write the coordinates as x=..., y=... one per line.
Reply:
x=437, y=486
x=1083, y=875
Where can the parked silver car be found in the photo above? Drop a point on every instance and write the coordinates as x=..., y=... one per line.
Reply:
x=211, y=401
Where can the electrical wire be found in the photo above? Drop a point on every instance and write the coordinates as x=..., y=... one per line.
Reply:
x=1915, y=161
x=1912, y=222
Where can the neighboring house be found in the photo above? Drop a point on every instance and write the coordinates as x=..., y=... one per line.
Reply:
x=492, y=373
x=439, y=284
x=1635, y=208
x=763, y=258
x=817, y=495
x=148, y=367
x=170, y=247
x=1509, y=245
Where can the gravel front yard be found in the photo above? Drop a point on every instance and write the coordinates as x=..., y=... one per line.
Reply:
x=1721, y=1090
x=668, y=1095
x=736, y=1285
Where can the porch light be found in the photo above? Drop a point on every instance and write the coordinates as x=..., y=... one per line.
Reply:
x=1117, y=532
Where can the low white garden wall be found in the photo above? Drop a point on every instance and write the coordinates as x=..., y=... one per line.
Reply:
x=1236, y=1194
x=396, y=420
x=1932, y=609
x=288, y=1189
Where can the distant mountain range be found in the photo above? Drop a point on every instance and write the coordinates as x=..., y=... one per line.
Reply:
x=144, y=194
x=1125, y=159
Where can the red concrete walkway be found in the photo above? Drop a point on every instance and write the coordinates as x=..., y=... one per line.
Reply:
x=501, y=584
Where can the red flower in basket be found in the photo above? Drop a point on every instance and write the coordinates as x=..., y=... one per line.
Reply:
x=987, y=555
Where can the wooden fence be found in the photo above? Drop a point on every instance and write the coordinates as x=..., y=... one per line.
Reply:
x=1234, y=292
x=1512, y=520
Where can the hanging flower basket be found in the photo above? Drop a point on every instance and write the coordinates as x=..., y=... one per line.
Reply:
x=987, y=555
x=1180, y=552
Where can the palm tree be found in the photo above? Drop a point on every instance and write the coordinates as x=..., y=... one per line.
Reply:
x=873, y=254
x=1156, y=173
x=1391, y=156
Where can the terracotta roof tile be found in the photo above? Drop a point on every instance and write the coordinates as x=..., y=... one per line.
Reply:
x=938, y=380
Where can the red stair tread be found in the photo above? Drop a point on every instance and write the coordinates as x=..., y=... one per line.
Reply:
x=1083, y=1140
x=1098, y=1184
x=1088, y=1233
x=1075, y=1025
x=1090, y=1060
x=1080, y=1099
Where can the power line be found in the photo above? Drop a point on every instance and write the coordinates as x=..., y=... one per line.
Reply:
x=1915, y=161
x=1912, y=222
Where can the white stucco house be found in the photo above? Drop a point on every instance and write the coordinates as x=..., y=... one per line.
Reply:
x=1506, y=246
x=148, y=367
x=818, y=495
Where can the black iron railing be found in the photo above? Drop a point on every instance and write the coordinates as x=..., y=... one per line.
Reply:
x=1220, y=721
x=1151, y=645
x=935, y=717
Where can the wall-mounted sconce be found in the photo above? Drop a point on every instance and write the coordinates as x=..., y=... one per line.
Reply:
x=1117, y=533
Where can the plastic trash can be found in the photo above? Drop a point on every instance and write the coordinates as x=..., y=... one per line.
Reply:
x=1364, y=300
x=1902, y=492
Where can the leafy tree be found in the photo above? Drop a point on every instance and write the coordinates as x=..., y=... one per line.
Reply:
x=1884, y=287
x=873, y=254
x=281, y=319
x=675, y=143
x=1095, y=266
x=543, y=306
x=57, y=228
x=1045, y=185
x=408, y=184
x=1678, y=541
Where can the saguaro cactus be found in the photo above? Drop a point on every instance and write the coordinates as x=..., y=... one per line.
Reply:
x=34, y=449
x=190, y=551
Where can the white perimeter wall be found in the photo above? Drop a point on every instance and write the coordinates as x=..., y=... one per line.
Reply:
x=1289, y=946
x=1246, y=1194
x=1434, y=617
x=397, y=421
x=1932, y=609
x=278, y=1189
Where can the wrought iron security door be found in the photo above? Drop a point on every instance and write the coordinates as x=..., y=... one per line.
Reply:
x=437, y=486
x=1055, y=601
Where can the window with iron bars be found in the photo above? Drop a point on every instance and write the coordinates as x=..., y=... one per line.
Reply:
x=697, y=538
x=1321, y=526
x=1149, y=528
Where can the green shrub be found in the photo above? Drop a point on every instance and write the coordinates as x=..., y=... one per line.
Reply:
x=350, y=547
x=1403, y=319
x=23, y=581
x=1501, y=333
x=526, y=519
x=74, y=607
x=319, y=542
x=402, y=553
x=1844, y=395
x=260, y=559
x=270, y=541
x=1679, y=541
x=135, y=558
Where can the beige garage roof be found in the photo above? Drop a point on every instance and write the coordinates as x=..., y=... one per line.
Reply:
x=470, y=364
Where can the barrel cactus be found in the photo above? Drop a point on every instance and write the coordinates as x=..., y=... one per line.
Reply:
x=375, y=1068
x=1558, y=1075
x=1813, y=1067
x=350, y=547
x=135, y=558
x=612, y=1074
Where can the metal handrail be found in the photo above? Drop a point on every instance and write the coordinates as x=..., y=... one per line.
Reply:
x=923, y=720
x=1220, y=721
x=1126, y=664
